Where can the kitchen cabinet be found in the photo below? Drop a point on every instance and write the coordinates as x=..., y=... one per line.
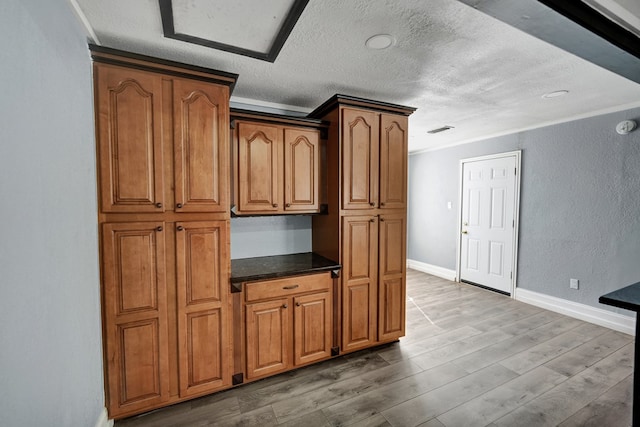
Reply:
x=288, y=323
x=373, y=279
x=203, y=328
x=392, y=262
x=135, y=111
x=162, y=134
x=135, y=315
x=374, y=159
x=393, y=158
x=277, y=164
x=130, y=140
x=365, y=225
x=359, y=281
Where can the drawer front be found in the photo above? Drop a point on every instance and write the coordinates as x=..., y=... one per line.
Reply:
x=279, y=288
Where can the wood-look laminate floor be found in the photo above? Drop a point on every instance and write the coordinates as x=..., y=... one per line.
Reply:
x=471, y=357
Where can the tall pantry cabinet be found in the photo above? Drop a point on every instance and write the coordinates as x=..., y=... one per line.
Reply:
x=365, y=228
x=163, y=164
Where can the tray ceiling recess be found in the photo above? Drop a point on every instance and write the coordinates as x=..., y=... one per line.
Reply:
x=216, y=24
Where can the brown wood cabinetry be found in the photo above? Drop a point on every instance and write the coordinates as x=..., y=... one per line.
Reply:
x=374, y=159
x=162, y=149
x=135, y=315
x=276, y=164
x=202, y=286
x=365, y=228
x=359, y=281
x=392, y=261
x=288, y=323
x=130, y=140
x=134, y=110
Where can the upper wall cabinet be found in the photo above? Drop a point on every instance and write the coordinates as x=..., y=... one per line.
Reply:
x=130, y=139
x=157, y=133
x=276, y=164
x=200, y=139
x=374, y=159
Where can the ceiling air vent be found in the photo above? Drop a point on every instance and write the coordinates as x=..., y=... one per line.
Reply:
x=442, y=129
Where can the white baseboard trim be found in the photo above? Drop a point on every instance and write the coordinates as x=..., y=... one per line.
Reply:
x=445, y=273
x=103, y=419
x=608, y=319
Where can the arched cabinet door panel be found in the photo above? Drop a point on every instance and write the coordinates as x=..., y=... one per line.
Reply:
x=200, y=146
x=130, y=140
x=393, y=161
x=301, y=169
x=360, y=141
x=259, y=161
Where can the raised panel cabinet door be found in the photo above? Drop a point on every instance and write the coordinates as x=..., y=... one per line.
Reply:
x=360, y=150
x=312, y=328
x=203, y=315
x=135, y=316
x=393, y=161
x=301, y=170
x=268, y=342
x=259, y=167
x=392, y=282
x=359, y=281
x=129, y=118
x=201, y=117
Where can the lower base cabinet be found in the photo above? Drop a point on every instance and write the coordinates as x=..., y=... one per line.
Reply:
x=288, y=323
x=162, y=327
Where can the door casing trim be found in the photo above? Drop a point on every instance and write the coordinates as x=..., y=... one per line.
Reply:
x=516, y=199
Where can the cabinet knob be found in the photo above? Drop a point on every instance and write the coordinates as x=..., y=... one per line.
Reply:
x=275, y=205
x=159, y=205
x=159, y=228
x=381, y=204
x=298, y=304
x=288, y=205
x=179, y=228
x=373, y=219
x=381, y=219
x=284, y=306
x=179, y=205
x=372, y=204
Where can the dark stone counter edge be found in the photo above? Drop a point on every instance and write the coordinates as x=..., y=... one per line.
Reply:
x=317, y=264
x=236, y=283
x=627, y=298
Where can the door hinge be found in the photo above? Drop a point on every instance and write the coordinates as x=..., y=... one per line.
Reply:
x=513, y=223
x=515, y=170
x=511, y=275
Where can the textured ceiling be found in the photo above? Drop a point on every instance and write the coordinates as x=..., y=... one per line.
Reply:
x=458, y=66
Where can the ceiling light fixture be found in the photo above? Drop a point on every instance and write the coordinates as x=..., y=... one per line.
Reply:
x=380, y=41
x=555, y=94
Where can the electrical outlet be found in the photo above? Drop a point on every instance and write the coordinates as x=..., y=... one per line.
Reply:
x=573, y=283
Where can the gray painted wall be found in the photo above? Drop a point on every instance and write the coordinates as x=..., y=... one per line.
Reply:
x=270, y=235
x=50, y=338
x=579, y=211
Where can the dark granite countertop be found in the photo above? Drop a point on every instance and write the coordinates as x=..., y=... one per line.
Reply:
x=271, y=267
x=627, y=298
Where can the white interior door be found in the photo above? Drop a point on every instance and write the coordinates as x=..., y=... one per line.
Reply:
x=488, y=221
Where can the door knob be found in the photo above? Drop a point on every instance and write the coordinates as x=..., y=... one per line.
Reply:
x=464, y=232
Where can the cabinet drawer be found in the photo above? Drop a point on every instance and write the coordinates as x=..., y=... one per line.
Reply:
x=278, y=288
